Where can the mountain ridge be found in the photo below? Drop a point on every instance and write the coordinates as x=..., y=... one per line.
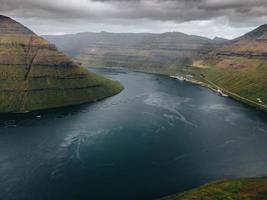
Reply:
x=256, y=33
x=151, y=52
x=238, y=65
x=34, y=75
x=10, y=26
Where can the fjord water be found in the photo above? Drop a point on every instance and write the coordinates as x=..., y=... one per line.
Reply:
x=159, y=136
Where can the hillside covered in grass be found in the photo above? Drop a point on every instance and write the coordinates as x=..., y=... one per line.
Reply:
x=34, y=75
x=239, y=189
x=240, y=67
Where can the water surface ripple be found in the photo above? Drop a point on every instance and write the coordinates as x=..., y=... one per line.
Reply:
x=157, y=137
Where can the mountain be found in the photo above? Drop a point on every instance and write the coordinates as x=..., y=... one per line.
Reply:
x=219, y=40
x=252, y=44
x=34, y=75
x=240, y=67
x=246, y=188
x=161, y=53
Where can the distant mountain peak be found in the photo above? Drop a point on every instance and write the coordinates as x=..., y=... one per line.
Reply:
x=220, y=39
x=174, y=33
x=4, y=17
x=257, y=33
x=10, y=26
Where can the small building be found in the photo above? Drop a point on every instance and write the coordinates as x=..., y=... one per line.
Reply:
x=189, y=77
x=259, y=100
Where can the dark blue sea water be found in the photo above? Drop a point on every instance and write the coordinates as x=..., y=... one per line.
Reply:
x=159, y=136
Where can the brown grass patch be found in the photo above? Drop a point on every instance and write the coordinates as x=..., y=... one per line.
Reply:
x=255, y=191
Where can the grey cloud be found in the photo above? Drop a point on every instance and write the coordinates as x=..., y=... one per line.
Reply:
x=162, y=10
x=236, y=13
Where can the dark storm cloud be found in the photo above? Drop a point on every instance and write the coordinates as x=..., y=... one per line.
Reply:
x=163, y=10
x=143, y=15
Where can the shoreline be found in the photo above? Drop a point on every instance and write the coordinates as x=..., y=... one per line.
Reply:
x=214, y=88
x=234, y=96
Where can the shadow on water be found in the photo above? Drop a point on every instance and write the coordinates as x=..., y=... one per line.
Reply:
x=10, y=120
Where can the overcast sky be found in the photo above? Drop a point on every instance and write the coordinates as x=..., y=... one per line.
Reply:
x=210, y=18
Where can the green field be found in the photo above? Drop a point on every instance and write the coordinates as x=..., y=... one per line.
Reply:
x=247, y=85
x=34, y=75
x=238, y=189
x=37, y=93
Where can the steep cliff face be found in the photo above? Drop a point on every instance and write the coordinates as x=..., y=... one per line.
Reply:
x=34, y=75
x=240, y=66
x=140, y=51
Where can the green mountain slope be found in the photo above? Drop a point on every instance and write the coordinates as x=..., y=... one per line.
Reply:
x=34, y=75
x=240, y=67
x=239, y=189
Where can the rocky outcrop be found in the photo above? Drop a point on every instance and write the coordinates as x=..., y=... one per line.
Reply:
x=246, y=54
x=34, y=75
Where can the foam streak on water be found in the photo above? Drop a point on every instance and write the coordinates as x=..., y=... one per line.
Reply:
x=159, y=136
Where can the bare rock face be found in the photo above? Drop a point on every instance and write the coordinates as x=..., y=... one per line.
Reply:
x=34, y=75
